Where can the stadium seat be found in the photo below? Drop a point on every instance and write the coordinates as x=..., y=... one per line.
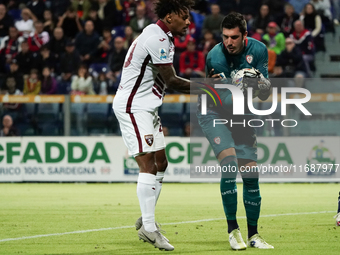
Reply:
x=77, y=118
x=98, y=68
x=118, y=31
x=25, y=129
x=113, y=123
x=96, y=120
x=15, y=13
x=172, y=115
x=48, y=118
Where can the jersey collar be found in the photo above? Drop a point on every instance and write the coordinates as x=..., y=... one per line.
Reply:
x=164, y=28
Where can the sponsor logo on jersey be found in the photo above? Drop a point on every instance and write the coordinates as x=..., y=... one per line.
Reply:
x=162, y=40
x=217, y=140
x=149, y=139
x=249, y=58
x=162, y=53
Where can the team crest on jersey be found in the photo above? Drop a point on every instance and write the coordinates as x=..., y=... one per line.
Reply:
x=217, y=140
x=162, y=53
x=249, y=58
x=149, y=139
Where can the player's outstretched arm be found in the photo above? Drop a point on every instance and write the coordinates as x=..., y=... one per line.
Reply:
x=174, y=82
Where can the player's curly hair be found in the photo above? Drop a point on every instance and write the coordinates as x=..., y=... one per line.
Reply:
x=233, y=20
x=164, y=7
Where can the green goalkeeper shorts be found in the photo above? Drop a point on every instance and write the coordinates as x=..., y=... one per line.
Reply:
x=224, y=136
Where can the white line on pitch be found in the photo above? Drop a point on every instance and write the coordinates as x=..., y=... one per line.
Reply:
x=171, y=223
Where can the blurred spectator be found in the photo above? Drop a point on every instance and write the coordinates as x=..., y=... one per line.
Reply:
x=336, y=9
x=8, y=85
x=192, y=62
x=262, y=20
x=181, y=43
x=50, y=23
x=101, y=85
x=249, y=7
x=48, y=84
x=304, y=41
x=7, y=127
x=26, y=24
x=98, y=23
x=6, y=21
x=323, y=8
x=37, y=7
x=14, y=72
x=82, y=7
x=11, y=4
x=69, y=61
x=105, y=46
x=70, y=23
x=290, y=63
x=276, y=7
x=150, y=10
x=32, y=83
x=128, y=39
x=192, y=27
x=207, y=43
x=187, y=130
x=311, y=20
x=87, y=42
x=275, y=38
x=57, y=43
x=82, y=84
x=25, y=58
x=59, y=7
x=201, y=6
x=110, y=12
x=11, y=89
x=286, y=20
x=271, y=58
x=298, y=5
x=45, y=58
x=10, y=46
x=117, y=58
x=213, y=21
x=228, y=6
x=38, y=38
x=139, y=22
x=130, y=9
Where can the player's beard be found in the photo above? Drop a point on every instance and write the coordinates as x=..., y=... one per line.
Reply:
x=236, y=52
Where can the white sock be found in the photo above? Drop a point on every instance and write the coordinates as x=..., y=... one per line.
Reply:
x=159, y=182
x=146, y=192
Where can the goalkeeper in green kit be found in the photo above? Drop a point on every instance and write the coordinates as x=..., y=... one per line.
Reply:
x=235, y=145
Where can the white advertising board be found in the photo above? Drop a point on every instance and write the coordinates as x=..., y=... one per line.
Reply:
x=105, y=159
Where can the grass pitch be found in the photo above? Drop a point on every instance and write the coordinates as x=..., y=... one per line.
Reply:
x=192, y=215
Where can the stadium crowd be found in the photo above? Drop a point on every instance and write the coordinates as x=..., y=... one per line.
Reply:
x=79, y=46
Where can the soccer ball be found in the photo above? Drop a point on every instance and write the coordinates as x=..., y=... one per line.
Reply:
x=246, y=72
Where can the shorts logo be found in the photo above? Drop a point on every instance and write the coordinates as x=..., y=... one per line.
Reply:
x=162, y=53
x=249, y=58
x=148, y=139
x=217, y=140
